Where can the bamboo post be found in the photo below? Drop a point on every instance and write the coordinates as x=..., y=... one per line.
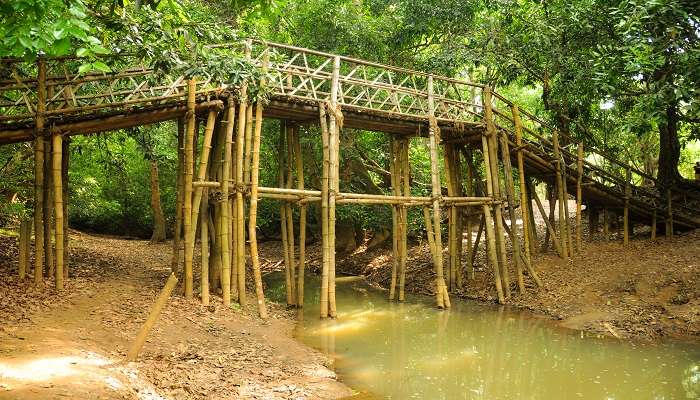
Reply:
x=626, y=211
x=179, y=200
x=204, y=232
x=525, y=205
x=510, y=197
x=468, y=220
x=244, y=120
x=443, y=299
x=58, y=207
x=187, y=199
x=254, y=175
x=479, y=232
x=49, y=265
x=396, y=190
x=567, y=225
x=39, y=173
x=24, y=238
x=430, y=233
x=248, y=122
x=158, y=306
x=334, y=151
x=491, y=250
x=324, y=210
x=202, y=172
x=560, y=190
x=496, y=183
x=579, y=198
x=653, y=224
x=290, y=215
x=283, y=213
x=65, y=164
x=403, y=220
x=491, y=244
x=302, y=218
x=550, y=227
x=224, y=208
x=450, y=179
x=531, y=218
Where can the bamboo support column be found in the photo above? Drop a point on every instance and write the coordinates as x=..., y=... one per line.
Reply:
x=491, y=134
x=550, y=227
x=653, y=224
x=491, y=243
x=450, y=178
x=626, y=211
x=560, y=192
x=299, y=159
x=65, y=164
x=579, y=198
x=471, y=249
x=403, y=180
x=39, y=174
x=187, y=199
x=204, y=233
x=290, y=215
x=394, y=170
x=334, y=126
x=58, y=206
x=254, y=176
x=324, y=210
x=283, y=213
x=510, y=197
x=25, y=232
x=525, y=205
x=179, y=200
x=443, y=299
x=202, y=171
x=224, y=206
x=531, y=218
x=49, y=265
x=567, y=225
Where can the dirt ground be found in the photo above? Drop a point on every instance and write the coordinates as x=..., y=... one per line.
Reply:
x=648, y=290
x=73, y=345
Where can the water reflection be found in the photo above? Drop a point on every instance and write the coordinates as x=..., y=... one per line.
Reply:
x=411, y=350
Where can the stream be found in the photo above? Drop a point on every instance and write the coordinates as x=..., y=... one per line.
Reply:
x=410, y=350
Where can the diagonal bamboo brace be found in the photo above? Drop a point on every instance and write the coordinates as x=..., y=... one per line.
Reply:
x=152, y=317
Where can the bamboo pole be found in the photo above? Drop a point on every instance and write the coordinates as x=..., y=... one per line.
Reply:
x=403, y=181
x=39, y=156
x=48, y=210
x=202, y=172
x=224, y=208
x=548, y=223
x=245, y=119
x=252, y=219
x=334, y=152
x=290, y=215
x=531, y=218
x=491, y=250
x=396, y=189
x=65, y=164
x=299, y=158
x=525, y=205
x=479, y=232
x=24, y=238
x=204, y=232
x=451, y=223
x=567, y=225
x=284, y=232
x=158, y=306
x=510, y=196
x=470, y=192
x=626, y=211
x=653, y=225
x=560, y=190
x=324, y=210
x=58, y=207
x=179, y=200
x=491, y=135
x=187, y=199
x=579, y=198
x=443, y=299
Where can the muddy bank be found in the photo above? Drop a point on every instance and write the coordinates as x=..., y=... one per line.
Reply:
x=73, y=345
x=648, y=290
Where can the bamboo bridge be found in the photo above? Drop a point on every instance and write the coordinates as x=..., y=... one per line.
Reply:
x=49, y=99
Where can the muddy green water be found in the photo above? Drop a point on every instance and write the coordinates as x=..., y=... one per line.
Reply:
x=413, y=351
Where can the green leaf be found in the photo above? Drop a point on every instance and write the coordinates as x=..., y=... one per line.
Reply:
x=97, y=49
x=82, y=52
x=99, y=65
x=84, y=68
x=77, y=11
x=61, y=47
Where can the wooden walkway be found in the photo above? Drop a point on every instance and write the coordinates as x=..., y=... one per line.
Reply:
x=50, y=98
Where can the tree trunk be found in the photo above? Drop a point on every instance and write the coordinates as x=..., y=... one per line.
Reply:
x=669, y=149
x=158, y=218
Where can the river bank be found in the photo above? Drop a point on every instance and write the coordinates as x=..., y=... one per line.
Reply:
x=73, y=345
x=648, y=290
